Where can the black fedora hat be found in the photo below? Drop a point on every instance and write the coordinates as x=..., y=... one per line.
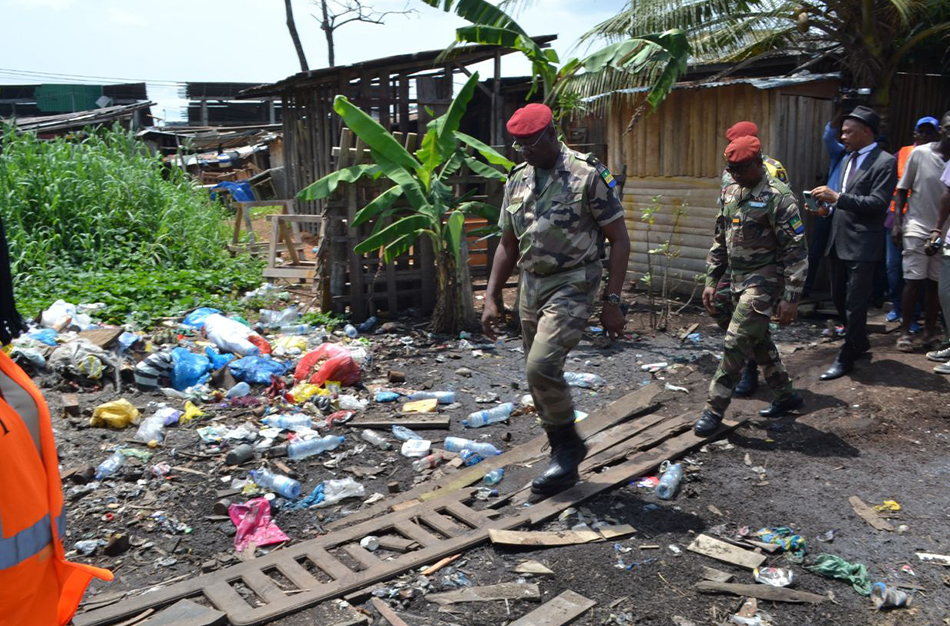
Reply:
x=866, y=116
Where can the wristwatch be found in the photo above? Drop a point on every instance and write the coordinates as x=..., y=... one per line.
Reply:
x=612, y=298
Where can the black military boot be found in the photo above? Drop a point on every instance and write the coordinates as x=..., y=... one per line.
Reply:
x=749, y=381
x=708, y=423
x=567, y=452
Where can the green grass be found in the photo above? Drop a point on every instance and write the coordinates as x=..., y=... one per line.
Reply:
x=100, y=219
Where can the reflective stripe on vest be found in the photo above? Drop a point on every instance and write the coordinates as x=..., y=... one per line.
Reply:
x=30, y=541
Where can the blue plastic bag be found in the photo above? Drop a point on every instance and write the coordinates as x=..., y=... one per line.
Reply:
x=44, y=335
x=257, y=369
x=196, y=319
x=218, y=360
x=189, y=369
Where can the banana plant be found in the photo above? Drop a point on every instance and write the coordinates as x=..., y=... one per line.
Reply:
x=421, y=202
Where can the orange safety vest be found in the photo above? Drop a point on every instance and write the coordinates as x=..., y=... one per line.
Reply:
x=902, y=155
x=38, y=586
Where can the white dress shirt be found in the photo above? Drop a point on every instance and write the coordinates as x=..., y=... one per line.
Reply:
x=854, y=162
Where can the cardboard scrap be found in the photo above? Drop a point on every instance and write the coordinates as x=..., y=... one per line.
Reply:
x=562, y=610
x=717, y=549
x=869, y=515
x=102, y=337
x=488, y=593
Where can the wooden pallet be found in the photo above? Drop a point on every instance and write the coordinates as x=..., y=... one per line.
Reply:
x=335, y=565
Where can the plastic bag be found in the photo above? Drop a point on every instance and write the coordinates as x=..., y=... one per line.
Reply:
x=191, y=412
x=336, y=490
x=257, y=369
x=289, y=343
x=304, y=391
x=189, y=369
x=58, y=315
x=233, y=336
x=196, y=319
x=150, y=371
x=328, y=362
x=69, y=358
x=44, y=335
x=254, y=525
x=116, y=414
x=217, y=359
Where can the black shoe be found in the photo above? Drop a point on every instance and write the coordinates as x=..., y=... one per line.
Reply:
x=749, y=381
x=837, y=370
x=567, y=452
x=778, y=409
x=707, y=423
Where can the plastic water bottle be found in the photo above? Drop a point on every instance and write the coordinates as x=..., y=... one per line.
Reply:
x=494, y=477
x=404, y=434
x=350, y=331
x=428, y=462
x=296, y=329
x=288, y=422
x=444, y=397
x=238, y=391
x=457, y=444
x=490, y=416
x=368, y=324
x=587, y=381
x=386, y=396
x=376, y=438
x=303, y=449
x=470, y=458
x=278, y=483
x=151, y=429
x=670, y=480
x=110, y=466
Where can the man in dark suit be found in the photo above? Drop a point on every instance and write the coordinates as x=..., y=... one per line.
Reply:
x=856, y=241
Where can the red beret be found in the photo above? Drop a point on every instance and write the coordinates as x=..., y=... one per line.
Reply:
x=529, y=120
x=743, y=149
x=742, y=129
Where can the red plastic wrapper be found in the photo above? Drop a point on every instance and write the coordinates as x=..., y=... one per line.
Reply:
x=328, y=362
x=260, y=342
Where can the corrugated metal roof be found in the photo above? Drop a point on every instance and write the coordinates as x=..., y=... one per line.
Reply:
x=770, y=82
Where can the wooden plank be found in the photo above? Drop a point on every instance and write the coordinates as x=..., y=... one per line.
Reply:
x=487, y=593
x=388, y=614
x=761, y=592
x=441, y=423
x=466, y=514
x=330, y=565
x=443, y=524
x=187, y=613
x=722, y=551
x=221, y=595
x=432, y=569
x=563, y=609
x=297, y=574
x=532, y=567
x=397, y=544
x=543, y=538
x=869, y=515
x=363, y=556
x=305, y=272
x=715, y=575
x=417, y=533
x=613, y=532
x=263, y=585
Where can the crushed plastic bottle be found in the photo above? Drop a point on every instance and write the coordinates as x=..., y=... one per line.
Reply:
x=273, y=319
x=413, y=448
x=670, y=480
x=302, y=449
x=584, y=380
x=376, y=438
x=889, y=597
x=340, y=489
x=278, y=483
x=288, y=421
x=238, y=391
x=444, y=397
x=494, y=477
x=470, y=458
x=296, y=329
x=774, y=576
x=404, y=434
x=368, y=324
x=457, y=444
x=428, y=462
x=151, y=430
x=496, y=414
x=350, y=331
x=111, y=465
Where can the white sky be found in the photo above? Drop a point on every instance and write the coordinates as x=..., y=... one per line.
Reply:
x=168, y=41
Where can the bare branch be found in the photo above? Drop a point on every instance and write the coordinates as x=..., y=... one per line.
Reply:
x=332, y=13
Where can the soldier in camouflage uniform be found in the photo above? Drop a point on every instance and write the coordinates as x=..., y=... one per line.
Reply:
x=760, y=244
x=558, y=208
x=749, y=381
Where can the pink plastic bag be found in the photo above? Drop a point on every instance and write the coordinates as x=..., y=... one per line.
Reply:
x=328, y=362
x=254, y=525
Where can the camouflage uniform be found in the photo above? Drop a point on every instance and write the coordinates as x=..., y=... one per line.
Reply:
x=723, y=298
x=760, y=247
x=560, y=243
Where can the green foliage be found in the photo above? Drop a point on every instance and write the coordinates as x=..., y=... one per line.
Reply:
x=319, y=318
x=99, y=218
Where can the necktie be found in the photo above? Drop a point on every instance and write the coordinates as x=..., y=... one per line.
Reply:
x=849, y=163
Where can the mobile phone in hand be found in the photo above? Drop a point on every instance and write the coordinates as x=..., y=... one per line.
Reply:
x=812, y=205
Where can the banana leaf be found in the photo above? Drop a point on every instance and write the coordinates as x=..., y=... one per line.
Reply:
x=379, y=204
x=375, y=136
x=483, y=169
x=453, y=232
x=488, y=153
x=392, y=233
x=324, y=187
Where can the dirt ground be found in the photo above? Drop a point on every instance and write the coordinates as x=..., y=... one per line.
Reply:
x=880, y=434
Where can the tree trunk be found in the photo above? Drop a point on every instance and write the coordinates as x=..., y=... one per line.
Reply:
x=292, y=27
x=447, y=316
x=328, y=31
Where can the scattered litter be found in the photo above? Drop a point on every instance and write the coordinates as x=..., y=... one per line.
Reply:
x=832, y=566
x=774, y=576
x=670, y=387
x=254, y=525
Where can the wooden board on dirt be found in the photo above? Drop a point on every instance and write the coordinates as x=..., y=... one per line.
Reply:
x=543, y=539
x=722, y=551
x=102, y=337
x=715, y=575
x=869, y=515
x=388, y=614
x=187, y=613
x=562, y=610
x=488, y=593
x=532, y=567
x=762, y=592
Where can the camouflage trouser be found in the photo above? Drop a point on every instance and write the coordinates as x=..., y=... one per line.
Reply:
x=554, y=312
x=723, y=303
x=747, y=336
